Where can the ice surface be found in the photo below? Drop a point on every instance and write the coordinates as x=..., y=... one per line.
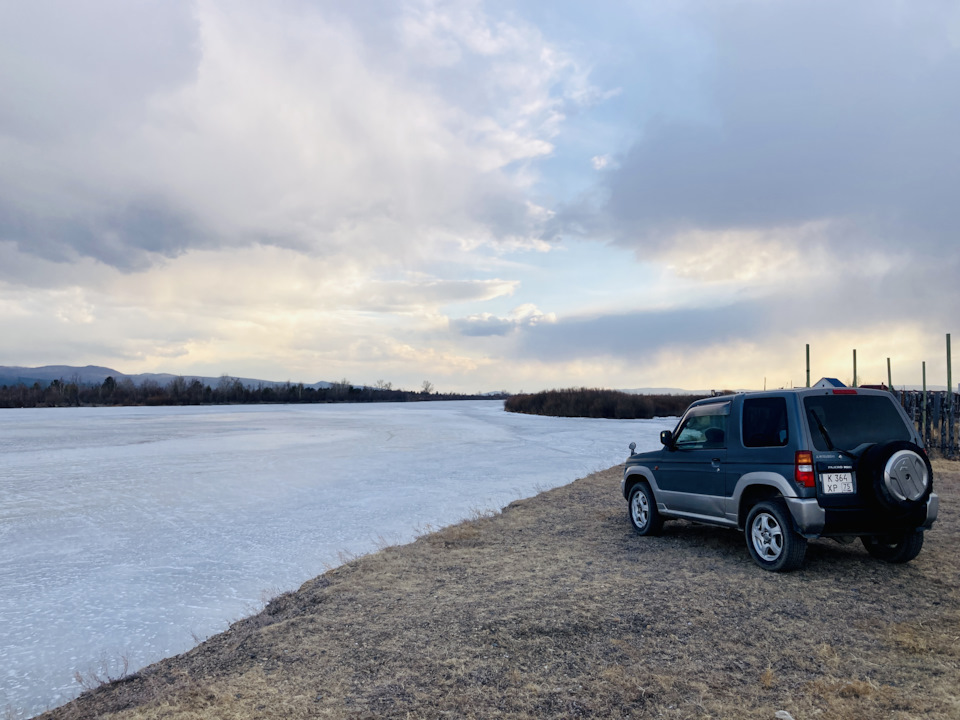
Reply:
x=128, y=532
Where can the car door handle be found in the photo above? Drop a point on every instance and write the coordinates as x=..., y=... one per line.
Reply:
x=715, y=463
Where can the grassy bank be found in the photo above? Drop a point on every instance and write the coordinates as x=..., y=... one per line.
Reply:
x=554, y=608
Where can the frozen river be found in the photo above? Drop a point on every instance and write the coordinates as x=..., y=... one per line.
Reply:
x=130, y=532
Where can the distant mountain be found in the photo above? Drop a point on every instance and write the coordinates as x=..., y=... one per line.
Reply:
x=95, y=375
x=664, y=391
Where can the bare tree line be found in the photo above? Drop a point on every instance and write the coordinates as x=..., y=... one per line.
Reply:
x=228, y=390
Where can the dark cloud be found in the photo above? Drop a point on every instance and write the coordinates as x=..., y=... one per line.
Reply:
x=814, y=110
x=642, y=333
x=127, y=237
x=848, y=298
x=77, y=79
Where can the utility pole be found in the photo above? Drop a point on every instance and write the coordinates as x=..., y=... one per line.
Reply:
x=808, y=364
x=854, y=368
x=889, y=377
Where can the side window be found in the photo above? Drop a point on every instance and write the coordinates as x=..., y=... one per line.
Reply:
x=765, y=422
x=705, y=428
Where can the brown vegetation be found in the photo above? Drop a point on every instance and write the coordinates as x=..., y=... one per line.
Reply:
x=596, y=403
x=555, y=608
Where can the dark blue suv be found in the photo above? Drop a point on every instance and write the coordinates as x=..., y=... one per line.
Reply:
x=787, y=466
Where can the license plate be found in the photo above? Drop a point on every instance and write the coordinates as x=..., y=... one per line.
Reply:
x=836, y=483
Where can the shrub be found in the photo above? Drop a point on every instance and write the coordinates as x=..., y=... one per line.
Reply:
x=596, y=403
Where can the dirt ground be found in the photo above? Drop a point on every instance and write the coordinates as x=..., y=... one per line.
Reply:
x=555, y=608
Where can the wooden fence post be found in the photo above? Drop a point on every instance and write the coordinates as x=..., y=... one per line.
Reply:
x=943, y=423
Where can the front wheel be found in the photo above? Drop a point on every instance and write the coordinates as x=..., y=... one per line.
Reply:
x=643, y=511
x=894, y=549
x=771, y=539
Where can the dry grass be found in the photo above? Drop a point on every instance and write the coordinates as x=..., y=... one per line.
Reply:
x=554, y=608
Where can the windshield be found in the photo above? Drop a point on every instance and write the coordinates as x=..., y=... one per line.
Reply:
x=851, y=420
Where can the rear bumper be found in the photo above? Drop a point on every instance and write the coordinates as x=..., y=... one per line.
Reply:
x=933, y=508
x=871, y=522
x=814, y=521
x=808, y=516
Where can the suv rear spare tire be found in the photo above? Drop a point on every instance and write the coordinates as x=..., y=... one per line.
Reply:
x=899, y=473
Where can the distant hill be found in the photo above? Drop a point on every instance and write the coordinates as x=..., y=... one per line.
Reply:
x=663, y=391
x=95, y=375
x=70, y=386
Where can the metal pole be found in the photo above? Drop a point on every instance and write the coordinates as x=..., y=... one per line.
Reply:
x=923, y=414
x=949, y=397
x=889, y=377
x=949, y=369
x=854, y=368
x=808, y=364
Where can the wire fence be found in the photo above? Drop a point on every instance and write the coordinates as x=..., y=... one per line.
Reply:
x=935, y=418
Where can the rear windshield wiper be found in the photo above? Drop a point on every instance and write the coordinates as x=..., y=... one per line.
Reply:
x=826, y=437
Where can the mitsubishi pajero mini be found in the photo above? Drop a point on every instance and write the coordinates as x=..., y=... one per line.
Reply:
x=790, y=465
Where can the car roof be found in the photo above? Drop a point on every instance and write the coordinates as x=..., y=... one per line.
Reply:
x=804, y=392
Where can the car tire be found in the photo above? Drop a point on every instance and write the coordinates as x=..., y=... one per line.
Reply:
x=899, y=473
x=644, y=517
x=896, y=548
x=773, y=543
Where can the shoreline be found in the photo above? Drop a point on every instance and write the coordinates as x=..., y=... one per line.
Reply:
x=553, y=607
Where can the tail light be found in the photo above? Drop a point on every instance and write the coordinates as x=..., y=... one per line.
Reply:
x=803, y=469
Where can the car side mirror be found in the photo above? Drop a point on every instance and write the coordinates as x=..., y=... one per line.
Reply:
x=666, y=439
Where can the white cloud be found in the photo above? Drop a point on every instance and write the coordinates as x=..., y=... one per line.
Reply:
x=755, y=258
x=487, y=324
x=218, y=180
x=305, y=188
x=602, y=162
x=292, y=129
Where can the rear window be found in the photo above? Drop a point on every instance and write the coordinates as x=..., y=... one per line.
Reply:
x=851, y=420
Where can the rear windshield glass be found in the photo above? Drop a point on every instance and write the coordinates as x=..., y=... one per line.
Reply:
x=851, y=420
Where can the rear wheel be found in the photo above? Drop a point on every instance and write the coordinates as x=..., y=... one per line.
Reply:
x=771, y=539
x=643, y=511
x=895, y=548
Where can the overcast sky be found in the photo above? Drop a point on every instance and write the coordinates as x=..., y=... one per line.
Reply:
x=485, y=195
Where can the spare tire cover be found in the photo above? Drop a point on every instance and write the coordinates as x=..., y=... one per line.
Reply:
x=899, y=472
